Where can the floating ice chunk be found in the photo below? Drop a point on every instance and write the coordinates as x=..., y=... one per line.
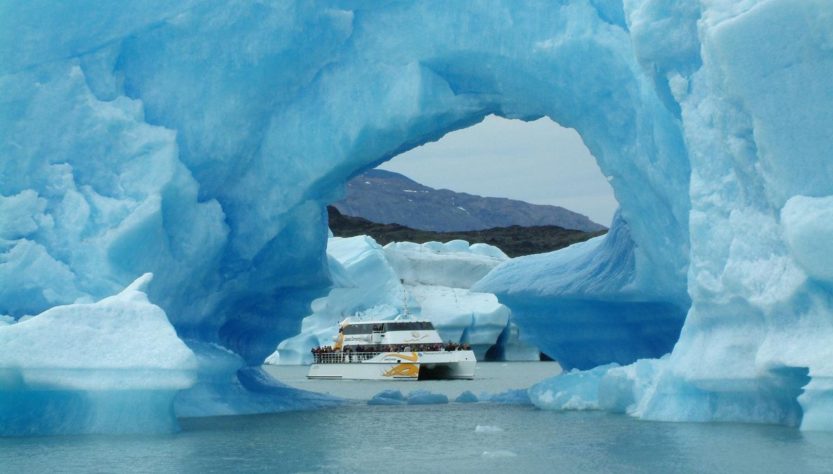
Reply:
x=387, y=397
x=574, y=390
x=609, y=387
x=466, y=397
x=424, y=397
x=509, y=397
x=621, y=389
x=487, y=429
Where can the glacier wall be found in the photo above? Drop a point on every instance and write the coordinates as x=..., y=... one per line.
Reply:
x=200, y=141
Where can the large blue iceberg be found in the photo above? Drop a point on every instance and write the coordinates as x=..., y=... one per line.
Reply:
x=200, y=141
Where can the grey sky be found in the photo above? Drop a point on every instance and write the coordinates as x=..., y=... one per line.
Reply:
x=539, y=162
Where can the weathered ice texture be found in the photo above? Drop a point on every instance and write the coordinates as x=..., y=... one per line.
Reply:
x=200, y=141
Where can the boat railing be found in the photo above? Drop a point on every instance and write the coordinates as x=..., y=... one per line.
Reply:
x=342, y=357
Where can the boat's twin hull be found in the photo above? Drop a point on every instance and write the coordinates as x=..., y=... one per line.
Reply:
x=400, y=366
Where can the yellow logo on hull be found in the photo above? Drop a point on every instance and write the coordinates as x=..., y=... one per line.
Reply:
x=403, y=370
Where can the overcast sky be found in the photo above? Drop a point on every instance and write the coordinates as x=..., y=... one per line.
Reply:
x=538, y=162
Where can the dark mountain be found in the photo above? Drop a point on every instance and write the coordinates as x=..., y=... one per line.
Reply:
x=391, y=198
x=514, y=241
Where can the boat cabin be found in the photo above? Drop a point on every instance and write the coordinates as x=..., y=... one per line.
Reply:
x=386, y=333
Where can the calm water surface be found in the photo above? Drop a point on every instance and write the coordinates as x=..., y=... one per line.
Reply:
x=434, y=438
x=490, y=378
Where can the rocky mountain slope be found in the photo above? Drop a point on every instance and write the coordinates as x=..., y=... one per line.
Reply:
x=391, y=198
x=514, y=240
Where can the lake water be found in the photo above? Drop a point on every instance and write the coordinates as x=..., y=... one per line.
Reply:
x=431, y=438
x=490, y=378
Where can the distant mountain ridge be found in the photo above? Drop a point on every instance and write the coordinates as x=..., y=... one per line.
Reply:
x=515, y=241
x=391, y=198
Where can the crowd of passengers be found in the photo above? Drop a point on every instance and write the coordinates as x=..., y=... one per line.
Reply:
x=448, y=346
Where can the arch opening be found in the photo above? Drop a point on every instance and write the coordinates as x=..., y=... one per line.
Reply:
x=573, y=325
x=537, y=160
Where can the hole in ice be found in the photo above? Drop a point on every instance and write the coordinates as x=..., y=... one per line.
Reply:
x=538, y=162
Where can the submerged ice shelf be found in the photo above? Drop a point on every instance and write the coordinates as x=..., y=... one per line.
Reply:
x=200, y=141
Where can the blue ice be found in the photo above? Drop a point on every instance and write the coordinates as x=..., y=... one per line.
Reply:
x=200, y=141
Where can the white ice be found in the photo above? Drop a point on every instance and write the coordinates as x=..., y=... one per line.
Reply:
x=428, y=281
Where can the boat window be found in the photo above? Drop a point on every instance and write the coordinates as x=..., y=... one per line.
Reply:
x=409, y=326
x=357, y=329
x=378, y=327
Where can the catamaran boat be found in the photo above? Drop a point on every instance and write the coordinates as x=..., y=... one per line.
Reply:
x=391, y=350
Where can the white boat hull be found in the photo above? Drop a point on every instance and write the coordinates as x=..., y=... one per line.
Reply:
x=400, y=366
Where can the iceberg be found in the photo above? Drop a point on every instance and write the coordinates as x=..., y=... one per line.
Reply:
x=585, y=306
x=201, y=141
x=467, y=397
x=425, y=397
x=518, y=396
x=113, y=366
x=387, y=397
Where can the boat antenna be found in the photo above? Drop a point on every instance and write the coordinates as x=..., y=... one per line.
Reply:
x=405, y=313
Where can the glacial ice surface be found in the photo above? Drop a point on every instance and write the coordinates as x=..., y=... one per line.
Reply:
x=200, y=141
x=584, y=305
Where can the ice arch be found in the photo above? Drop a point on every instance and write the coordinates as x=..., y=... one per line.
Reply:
x=197, y=140
x=249, y=140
